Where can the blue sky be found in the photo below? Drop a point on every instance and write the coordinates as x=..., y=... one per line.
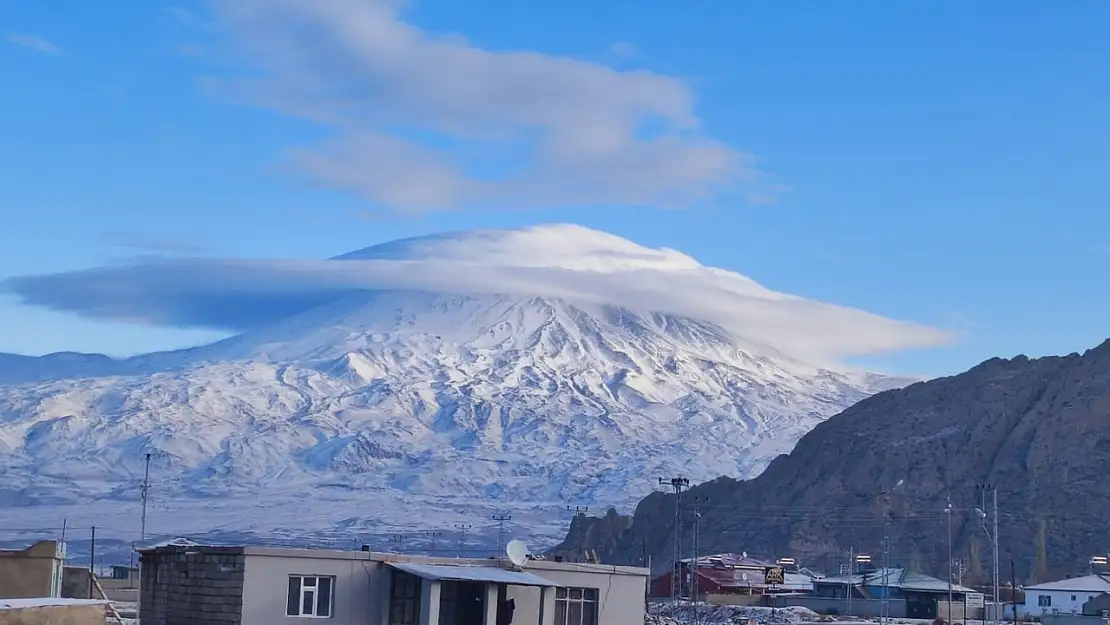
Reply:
x=946, y=161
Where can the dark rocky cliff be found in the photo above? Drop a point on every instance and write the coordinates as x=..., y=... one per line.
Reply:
x=1038, y=430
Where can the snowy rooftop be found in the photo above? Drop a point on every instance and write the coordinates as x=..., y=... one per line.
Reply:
x=40, y=602
x=1087, y=583
x=731, y=560
x=898, y=578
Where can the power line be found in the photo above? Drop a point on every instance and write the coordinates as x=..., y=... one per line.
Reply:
x=433, y=534
x=501, y=518
x=577, y=526
x=463, y=528
x=399, y=540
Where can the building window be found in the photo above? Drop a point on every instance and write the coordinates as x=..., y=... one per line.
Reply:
x=310, y=596
x=1073, y=597
x=1044, y=601
x=404, y=599
x=575, y=606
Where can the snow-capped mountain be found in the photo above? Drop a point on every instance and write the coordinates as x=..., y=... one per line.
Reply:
x=389, y=408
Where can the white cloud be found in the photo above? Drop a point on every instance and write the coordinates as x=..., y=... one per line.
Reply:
x=423, y=121
x=567, y=262
x=31, y=42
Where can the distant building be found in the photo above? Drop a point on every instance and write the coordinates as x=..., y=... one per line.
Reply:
x=1066, y=596
x=34, y=572
x=268, y=586
x=909, y=594
x=124, y=572
x=1098, y=606
x=731, y=574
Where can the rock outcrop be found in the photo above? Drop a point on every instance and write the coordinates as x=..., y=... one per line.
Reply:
x=1036, y=430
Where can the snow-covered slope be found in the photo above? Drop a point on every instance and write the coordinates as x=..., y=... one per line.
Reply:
x=388, y=409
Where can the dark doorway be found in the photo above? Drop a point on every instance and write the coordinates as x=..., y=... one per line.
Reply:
x=921, y=606
x=462, y=603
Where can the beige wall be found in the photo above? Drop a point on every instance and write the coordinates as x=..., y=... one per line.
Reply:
x=361, y=593
x=620, y=591
x=29, y=572
x=360, y=587
x=54, y=615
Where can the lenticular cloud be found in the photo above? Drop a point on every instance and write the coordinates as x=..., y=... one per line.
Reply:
x=566, y=262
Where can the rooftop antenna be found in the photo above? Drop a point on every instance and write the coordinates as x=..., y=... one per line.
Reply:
x=517, y=553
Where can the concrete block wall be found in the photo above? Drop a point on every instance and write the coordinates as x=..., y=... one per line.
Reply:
x=179, y=587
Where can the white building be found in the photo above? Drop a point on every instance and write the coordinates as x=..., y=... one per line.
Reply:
x=267, y=586
x=1066, y=596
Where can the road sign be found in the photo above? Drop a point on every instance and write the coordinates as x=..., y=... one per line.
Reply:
x=974, y=599
x=773, y=575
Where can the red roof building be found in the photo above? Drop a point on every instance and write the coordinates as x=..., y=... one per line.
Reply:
x=728, y=573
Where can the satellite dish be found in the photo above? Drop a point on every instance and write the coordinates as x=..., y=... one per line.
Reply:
x=517, y=552
x=744, y=576
x=744, y=555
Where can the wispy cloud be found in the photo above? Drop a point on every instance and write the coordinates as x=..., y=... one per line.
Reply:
x=426, y=121
x=567, y=262
x=154, y=243
x=31, y=42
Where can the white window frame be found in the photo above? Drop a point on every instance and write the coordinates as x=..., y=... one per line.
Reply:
x=304, y=588
x=587, y=599
x=1044, y=601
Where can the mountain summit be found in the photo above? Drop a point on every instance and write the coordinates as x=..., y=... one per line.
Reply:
x=426, y=382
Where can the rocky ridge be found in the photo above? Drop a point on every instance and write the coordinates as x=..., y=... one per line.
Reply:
x=1038, y=430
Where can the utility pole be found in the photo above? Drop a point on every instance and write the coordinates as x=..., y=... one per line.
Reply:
x=434, y=535
x=577, y=510
x=462, y=527
x=677, y=484
x=851, y=581
x=131, y=568
x=992, y=537
x=994, y=491
x=144, y=495
x=92, y=561
x=960, y=568
x=697, y=559
x=501, y=518
x=884, y=605
x=948, y=513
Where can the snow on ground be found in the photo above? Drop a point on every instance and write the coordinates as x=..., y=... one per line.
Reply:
x=667, y=613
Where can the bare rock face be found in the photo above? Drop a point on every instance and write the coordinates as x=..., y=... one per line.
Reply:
x=1036, y=430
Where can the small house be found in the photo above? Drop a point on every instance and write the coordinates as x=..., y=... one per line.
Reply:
x=1066, y=596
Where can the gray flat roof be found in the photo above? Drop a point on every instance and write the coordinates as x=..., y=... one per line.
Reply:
x=44, y=602
x=467, y=573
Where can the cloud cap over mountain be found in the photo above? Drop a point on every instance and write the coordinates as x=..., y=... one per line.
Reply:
x=560, y=261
